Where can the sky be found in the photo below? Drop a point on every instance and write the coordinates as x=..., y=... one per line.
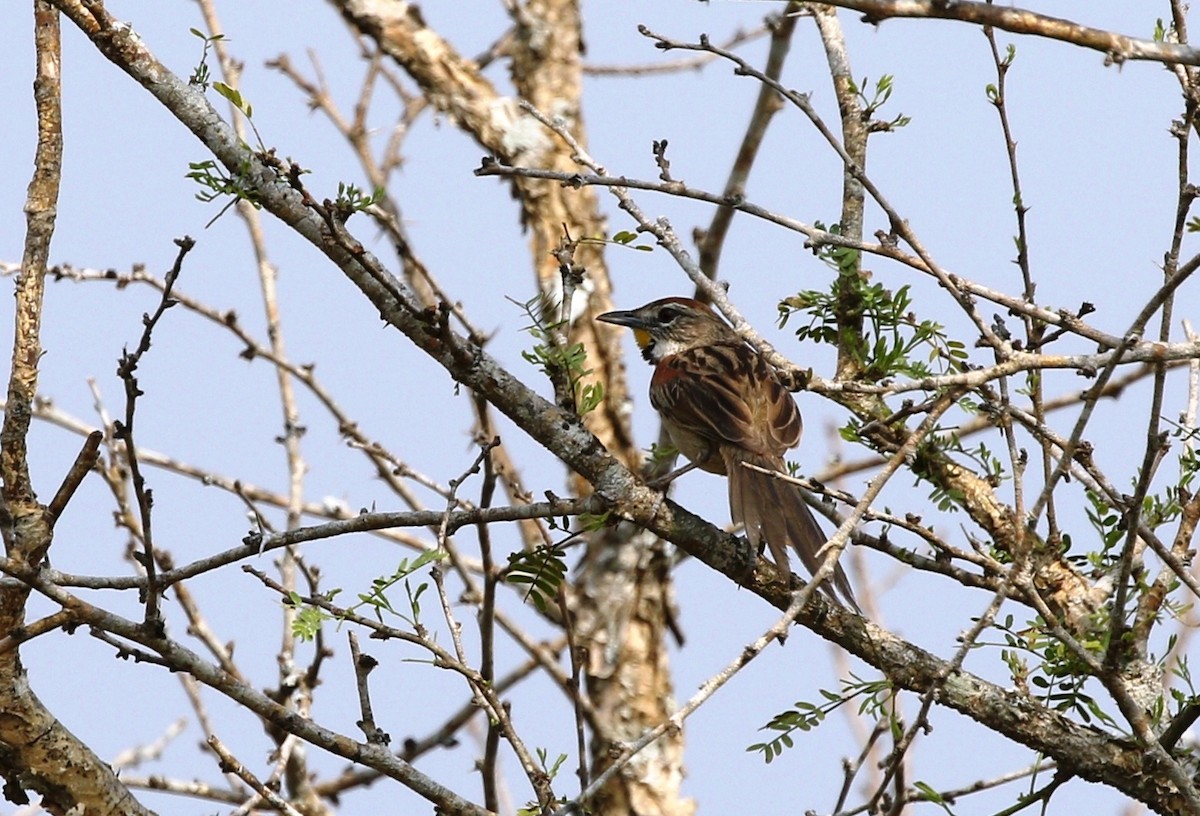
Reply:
x=1099, y=175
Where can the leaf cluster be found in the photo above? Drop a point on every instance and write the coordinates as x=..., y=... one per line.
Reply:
x=542, y=570
x=1157, y=510
x=626, y=238
x=551, y=770
x=805, y=716
x=1183, y=700
x=350, y=199
x=309, y=618
x=201, y=77
x=1057, y=673
x=878, y=98
x=891, y=333
x=216, y=183
x=562, y=362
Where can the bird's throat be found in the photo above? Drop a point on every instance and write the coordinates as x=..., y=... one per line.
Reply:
x=645, y=343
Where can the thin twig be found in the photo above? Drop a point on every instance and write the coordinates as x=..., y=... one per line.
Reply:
x=675, y=66
x=84, y=463
x=230, y=764
x=123, y=431
x=487, y=630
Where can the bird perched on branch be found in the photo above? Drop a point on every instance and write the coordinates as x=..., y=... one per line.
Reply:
x=724, y=408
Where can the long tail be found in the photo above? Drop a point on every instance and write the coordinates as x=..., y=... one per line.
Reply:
x=774, y=511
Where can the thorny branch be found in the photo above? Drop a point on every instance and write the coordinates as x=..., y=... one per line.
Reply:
x=123, y=431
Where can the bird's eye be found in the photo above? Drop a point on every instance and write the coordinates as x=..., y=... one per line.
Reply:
x=667, y=313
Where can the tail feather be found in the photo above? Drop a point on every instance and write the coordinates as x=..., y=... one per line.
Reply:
x=774, y=512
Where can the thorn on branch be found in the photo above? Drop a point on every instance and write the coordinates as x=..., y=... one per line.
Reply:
x=660, y=158
x=889, y=240
x=1000, y=328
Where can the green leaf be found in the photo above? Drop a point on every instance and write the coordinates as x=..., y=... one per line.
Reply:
x=542, y=571
x=232, y=94
x=928, y=794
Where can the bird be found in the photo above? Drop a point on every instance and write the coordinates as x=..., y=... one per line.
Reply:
x=724, y=407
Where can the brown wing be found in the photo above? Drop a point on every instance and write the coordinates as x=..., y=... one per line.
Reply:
x=727, y=394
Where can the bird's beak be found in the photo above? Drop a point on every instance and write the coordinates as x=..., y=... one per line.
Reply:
x=628, y=319
x=640, y=325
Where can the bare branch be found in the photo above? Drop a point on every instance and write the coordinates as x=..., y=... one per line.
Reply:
x=1117, y=48
x=231, y=764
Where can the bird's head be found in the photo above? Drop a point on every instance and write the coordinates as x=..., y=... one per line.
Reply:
x=671, y=325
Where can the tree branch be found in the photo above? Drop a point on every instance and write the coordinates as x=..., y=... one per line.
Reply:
x=1117, y=48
